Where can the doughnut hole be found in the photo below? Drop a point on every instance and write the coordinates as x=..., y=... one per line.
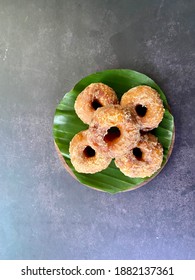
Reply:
x=112, y=134
x=137, y=153
x=140, y=110
x=89, y=152
x=96, y=104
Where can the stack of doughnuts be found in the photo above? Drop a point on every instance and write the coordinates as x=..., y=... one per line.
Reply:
x=118, y=130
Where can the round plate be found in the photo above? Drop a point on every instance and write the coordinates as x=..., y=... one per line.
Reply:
x=67, y=124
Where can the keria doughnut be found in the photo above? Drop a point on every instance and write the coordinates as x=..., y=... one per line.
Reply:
x=92, y=97
x=146, y=105
x=84, y=158
x=113, y=130
x=142, y=161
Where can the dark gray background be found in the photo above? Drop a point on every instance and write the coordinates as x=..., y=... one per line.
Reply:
x=46, y=46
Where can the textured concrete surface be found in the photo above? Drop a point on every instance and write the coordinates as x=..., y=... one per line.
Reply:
x=46, y=46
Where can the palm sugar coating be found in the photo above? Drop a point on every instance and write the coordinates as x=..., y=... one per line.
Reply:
x=142, y=161
x=92, y=97
x=146, y=105
x=113, y=130
x=84, y=157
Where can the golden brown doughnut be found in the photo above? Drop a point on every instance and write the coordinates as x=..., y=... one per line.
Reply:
x=113, y=130
x=146, y=105
x=84, y=158
x=92, y=97
x=142, y=161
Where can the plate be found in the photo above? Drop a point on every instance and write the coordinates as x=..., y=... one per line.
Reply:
x=66, y=124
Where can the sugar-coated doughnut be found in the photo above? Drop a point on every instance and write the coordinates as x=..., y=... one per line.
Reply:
x=84, y=158
x=113, y=130
x=92, y=97
x=146, y=105
x=142, y=161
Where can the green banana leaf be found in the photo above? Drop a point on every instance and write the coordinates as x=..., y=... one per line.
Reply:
x=67, y=124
